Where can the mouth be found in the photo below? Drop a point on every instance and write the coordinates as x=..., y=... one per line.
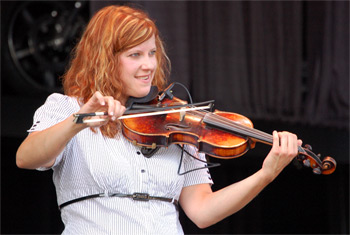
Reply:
x=146, y=77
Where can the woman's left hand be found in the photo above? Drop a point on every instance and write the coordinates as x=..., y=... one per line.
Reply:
x=284, y=149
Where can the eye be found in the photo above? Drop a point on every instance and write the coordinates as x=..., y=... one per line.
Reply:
x=136, y=54
x=153, y=52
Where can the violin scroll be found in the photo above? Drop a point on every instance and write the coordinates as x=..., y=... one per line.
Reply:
x=309, y=159
x=328, y=165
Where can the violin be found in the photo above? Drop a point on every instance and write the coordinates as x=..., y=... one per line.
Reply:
x=168, y=120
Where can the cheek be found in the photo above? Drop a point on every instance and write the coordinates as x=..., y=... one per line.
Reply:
x=155, y=64
x=128, y=69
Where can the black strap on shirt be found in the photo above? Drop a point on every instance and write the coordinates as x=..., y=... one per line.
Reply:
x=134, y=196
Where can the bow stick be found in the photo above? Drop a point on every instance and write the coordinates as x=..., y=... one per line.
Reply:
x=149, y=111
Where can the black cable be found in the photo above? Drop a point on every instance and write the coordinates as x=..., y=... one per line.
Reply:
x=208, y=165
x=188, y=93
x=168, y=92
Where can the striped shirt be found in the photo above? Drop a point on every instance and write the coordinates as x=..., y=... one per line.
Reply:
x=92, y=164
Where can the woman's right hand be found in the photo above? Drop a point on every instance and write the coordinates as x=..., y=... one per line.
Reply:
x=100, y=103
x=53, y=140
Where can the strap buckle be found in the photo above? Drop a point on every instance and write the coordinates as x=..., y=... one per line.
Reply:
x=140, y=196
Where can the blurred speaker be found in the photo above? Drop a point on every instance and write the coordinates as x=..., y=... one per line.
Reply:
x=37, y=38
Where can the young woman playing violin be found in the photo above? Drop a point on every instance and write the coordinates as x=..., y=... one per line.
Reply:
x=103, y=183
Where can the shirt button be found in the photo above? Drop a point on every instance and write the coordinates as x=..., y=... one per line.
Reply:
x=138, y=152
x=143, y=171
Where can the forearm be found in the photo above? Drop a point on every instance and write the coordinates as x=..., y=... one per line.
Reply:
x=41, y=148
x=205, y=208
x=218, y=205
x=231, y=199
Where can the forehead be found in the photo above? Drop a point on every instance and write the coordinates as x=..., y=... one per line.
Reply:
x=146, y=45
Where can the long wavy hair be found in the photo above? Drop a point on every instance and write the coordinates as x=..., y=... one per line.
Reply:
x=95, y=64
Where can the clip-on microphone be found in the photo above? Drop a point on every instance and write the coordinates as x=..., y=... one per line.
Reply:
x=167, y=93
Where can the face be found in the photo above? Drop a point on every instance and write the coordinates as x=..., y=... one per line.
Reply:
x=138, y=66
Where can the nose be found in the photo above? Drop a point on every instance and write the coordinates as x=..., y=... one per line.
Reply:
x=149, y=63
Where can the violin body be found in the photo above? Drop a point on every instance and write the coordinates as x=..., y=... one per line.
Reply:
x=189, y=128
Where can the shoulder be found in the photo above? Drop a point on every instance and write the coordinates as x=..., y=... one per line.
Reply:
x=56, y=108
x=60, y=103
x=60, y=99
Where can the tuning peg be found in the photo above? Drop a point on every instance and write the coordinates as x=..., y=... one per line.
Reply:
x=308, y=147
x=317, y=171
x=300, y=157
x=307, y=163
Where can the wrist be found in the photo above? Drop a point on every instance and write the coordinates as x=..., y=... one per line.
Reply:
x=266, y=176
x=76, y=127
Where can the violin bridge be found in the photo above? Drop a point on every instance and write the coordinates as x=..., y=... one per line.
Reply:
x=182, y=115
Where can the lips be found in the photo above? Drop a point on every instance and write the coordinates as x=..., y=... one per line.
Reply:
x=143, y=77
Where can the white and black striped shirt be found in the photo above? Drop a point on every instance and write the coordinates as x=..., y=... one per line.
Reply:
x=92, y=164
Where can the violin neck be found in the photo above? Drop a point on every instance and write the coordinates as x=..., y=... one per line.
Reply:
x=233, y=127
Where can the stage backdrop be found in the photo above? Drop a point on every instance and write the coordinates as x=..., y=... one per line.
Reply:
x=283, y=64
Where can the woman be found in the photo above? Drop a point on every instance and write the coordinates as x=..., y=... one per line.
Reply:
x=103, y=183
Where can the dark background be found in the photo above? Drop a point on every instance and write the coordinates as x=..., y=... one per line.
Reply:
x=283, y=64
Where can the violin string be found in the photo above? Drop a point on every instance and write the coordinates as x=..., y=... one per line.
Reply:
x=229, y=124
x=249, y=131
x=239, y=127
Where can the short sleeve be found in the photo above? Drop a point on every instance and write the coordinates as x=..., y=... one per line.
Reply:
x=56, y=108
x=198, y=176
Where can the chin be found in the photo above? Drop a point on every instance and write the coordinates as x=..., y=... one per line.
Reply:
x=143, y=92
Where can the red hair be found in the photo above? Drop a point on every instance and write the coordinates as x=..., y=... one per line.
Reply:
x=95, y=59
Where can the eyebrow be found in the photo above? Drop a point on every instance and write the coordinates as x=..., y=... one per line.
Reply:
x=138, y=50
